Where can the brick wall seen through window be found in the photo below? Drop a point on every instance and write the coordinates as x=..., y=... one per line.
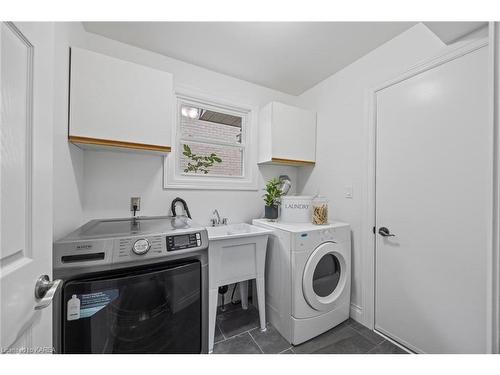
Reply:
x=214, y=143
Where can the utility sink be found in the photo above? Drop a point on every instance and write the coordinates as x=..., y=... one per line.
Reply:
x=235, y=231
x=236, y=254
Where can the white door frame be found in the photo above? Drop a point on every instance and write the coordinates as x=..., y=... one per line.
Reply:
x=368, y=195
x=494, y=287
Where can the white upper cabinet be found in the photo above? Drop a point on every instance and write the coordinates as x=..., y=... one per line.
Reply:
x=287, y=135
x=118, y=104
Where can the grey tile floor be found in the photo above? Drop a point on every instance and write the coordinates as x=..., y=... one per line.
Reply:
x=237, y=331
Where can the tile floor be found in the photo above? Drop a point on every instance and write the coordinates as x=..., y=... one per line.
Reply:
x=237, y=332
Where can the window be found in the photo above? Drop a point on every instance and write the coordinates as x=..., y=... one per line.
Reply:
x=212, y=148
x=211, y=142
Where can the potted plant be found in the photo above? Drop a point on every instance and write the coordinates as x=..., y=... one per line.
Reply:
x=272, y=198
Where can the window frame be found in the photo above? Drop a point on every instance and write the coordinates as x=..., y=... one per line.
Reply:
x=175, y=178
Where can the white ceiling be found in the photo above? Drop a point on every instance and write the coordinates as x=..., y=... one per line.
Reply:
x=449, y=32
x=287, y=56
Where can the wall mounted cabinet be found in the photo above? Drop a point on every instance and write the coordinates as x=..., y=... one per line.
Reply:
x=287, y=135
x=117, y=104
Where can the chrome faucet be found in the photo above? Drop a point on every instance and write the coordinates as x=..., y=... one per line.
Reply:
x=216, y=220
x=216, y=213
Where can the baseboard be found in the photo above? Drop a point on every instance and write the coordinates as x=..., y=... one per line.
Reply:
x=356, y=313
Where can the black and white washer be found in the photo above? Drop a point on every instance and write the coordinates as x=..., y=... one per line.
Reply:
x=132, y=286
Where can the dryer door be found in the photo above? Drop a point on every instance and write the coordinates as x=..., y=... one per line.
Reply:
x=325, y=276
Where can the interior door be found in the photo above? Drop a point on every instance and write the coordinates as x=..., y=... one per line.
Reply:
x=26, y=177
x=433, y=203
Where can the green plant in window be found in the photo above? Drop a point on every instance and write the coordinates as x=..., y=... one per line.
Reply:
x=199, y=163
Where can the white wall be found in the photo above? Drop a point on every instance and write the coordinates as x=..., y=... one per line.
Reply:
x=68, y=159
x=341, y=106
x=99, y=184
x=111, y=178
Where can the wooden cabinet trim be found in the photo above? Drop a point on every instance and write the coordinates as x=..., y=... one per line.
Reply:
x=119, y=144
x=292, y=162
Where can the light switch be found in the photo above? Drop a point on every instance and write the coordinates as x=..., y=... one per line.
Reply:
x=348, y=192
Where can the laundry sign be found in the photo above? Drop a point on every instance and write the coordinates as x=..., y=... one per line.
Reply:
x=296, y=209
x=85, y=305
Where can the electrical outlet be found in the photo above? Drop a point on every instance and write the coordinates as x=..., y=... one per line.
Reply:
x=135, y=201
x=348, y=192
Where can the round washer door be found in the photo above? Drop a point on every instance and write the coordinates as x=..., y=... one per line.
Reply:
x=325, y=276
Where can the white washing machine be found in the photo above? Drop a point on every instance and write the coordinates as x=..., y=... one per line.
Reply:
x=308, y=277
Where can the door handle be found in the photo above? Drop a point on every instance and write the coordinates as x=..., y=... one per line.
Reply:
x=384, y=232
x=45, y=290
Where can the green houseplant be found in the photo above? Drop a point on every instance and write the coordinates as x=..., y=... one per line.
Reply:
x=272, y=198
x=199, y=163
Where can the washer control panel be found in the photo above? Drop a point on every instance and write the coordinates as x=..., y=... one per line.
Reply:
x=122, y=241
x=183, y=241
x=141, y=246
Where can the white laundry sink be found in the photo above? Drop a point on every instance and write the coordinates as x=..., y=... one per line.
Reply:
x=236, y=251
x=235, y=231
x=236, y=254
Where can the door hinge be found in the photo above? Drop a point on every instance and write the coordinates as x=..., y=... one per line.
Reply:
x=373, y=230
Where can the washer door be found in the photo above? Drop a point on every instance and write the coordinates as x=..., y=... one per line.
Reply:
x=324, y=277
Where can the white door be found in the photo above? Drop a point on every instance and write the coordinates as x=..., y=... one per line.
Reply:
x=433, y=193
x=26, y=176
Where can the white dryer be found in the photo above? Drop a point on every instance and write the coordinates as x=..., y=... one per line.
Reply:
x=308, y=277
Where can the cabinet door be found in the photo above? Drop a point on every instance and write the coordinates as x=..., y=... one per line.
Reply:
x=117, y=100
x=294, y=133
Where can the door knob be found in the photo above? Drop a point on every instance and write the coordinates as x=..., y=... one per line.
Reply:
x=384, y=232
x=45, y=290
